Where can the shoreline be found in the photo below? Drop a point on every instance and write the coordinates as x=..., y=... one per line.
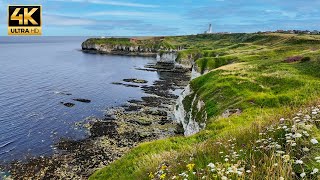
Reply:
x=120, y=53
x=110, y=137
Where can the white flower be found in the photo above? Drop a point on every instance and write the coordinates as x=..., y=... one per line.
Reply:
x=174, y=177
x=315, y=170
x=286, y=158
x=226, y=159
x=293, y=144
x=281, y=178
x=248, y=171
x=314, y=141
x=313, y=112
x=239, y=173
x=305, y=149
x=297, y=135
x=302, y=174
x=305, y=133
x=211, y=165
x=308, y=127
x=280, y=152
x=276, y=164
x=317, y=158
x=224, y=178
x=299, y=161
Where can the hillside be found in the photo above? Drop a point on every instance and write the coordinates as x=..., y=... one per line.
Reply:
x=261, y=95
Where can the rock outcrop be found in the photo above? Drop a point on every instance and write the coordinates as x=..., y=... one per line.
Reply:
x=127, y=49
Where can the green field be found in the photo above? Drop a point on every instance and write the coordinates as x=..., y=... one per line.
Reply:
x=267, y=77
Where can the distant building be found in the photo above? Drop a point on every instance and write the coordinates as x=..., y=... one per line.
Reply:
x=209, y=31
x=133, y=40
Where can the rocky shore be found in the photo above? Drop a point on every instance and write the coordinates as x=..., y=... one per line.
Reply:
x=137, y=121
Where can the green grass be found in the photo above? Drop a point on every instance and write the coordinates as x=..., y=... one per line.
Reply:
x=247, y=72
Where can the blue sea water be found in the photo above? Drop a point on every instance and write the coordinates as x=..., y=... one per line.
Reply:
x=36, y=73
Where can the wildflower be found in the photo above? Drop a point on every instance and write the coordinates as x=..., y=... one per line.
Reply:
x=183, y=174
x=248, y=171
x=226, y=159
x=224, y=178
x=305, y=133
x=314, y=141
x=190, y=167
x=280, y=152
x=174, y=177
x=211, y=165
x=151, y=176
x=297, y=135
x=163, y=167
x=308, y=127
x=163, y=176
x=286, y=158
x=317, y=158
x=293, y=144
x=315, y=170
x=275, y=164
x=303, y=175
x=299, y=161
x=305, y=149
x=281, y=178
x=239, y=173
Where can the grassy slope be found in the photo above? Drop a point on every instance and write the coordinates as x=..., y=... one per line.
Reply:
x=258, y=82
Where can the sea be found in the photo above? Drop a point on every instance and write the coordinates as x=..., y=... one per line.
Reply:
x=38, y=73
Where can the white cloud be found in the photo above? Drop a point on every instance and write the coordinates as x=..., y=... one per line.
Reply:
x=153, y=15
x=111, y=2
x=66, y=21
x=283, y=13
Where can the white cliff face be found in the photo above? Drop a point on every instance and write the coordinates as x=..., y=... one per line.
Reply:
x=190, y=125
x=194, y=74
x=167, y=57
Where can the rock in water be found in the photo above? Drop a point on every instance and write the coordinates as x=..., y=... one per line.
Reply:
x=139, y=81
x=82, y=100
x=67, y=104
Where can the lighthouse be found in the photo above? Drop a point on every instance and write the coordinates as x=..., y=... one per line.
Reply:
x=209, y=31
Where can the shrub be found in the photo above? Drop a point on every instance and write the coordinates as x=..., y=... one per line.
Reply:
x=293, y=59
x=305, y=59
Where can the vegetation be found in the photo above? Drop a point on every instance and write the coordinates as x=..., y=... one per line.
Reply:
x=157, y=43
x=275, y=136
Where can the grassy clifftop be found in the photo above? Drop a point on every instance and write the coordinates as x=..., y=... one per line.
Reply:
x=269, y=78
x=146, y=42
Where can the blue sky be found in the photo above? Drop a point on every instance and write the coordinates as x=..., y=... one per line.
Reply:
x=169, y=17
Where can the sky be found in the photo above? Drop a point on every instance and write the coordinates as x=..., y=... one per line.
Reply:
x=168, y=17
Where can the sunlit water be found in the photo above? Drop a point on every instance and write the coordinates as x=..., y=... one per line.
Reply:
x=34, y=75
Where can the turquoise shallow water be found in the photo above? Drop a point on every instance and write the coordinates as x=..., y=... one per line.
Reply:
x=35, y=76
